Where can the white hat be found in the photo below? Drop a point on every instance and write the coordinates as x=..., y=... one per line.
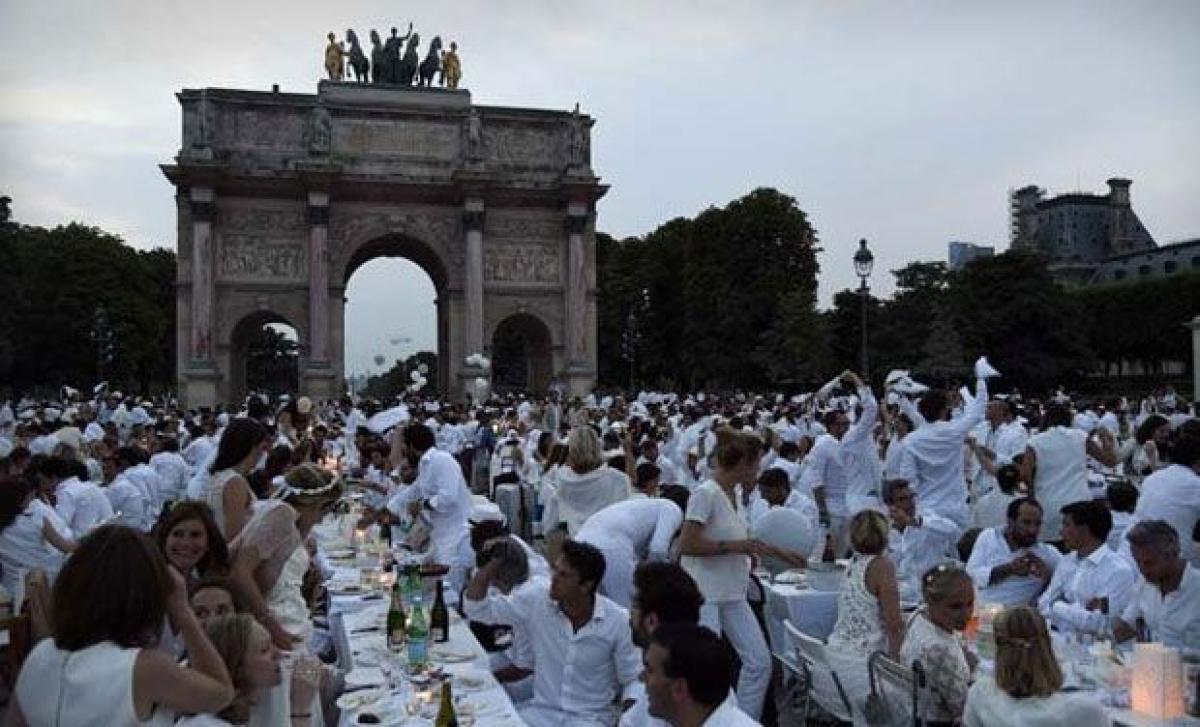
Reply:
x=304, y=405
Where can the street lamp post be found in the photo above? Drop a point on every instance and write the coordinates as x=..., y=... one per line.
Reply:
x=863, y=262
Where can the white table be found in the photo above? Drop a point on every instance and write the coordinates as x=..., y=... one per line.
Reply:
x=348, y=614
x=812, y=612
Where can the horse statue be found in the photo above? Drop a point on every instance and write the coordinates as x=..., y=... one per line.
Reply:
x=378, y=59
x=358, y=61
x=408, y=64
x=432, y=63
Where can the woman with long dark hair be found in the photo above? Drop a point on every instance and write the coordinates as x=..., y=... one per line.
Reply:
x=228, y=491
x=102, y=666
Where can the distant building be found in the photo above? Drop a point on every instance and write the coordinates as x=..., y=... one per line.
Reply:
x=961, y=253
x=1093, y=238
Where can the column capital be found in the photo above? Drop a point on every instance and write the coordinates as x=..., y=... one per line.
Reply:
x=473, y=217
x=202, y=203
x=576, y=224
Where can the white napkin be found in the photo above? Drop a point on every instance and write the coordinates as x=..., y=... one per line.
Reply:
x=984, y=370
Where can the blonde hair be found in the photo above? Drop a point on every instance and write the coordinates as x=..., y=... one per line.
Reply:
x=868, y=532
x=1025, y=663
x=939, y=581
x=230, y=636
x=735, y=448
x=583, y=450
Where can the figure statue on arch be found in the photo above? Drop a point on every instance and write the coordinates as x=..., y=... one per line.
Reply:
x=451, y=67
x=335, y=59
x=407, y=69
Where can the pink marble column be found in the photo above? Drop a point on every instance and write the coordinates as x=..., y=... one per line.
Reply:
x=473, y=228
x=577, y=282
x=318, y=277
x=203, y=209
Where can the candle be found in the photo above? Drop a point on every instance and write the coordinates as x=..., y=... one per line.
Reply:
x=1157, y=688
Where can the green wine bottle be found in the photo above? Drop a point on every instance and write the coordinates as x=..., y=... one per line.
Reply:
x=446, y=716
x=397, y=622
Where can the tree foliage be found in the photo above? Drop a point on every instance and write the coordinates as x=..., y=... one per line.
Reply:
x=395, y=381
x=725, y=299
x=78, y=305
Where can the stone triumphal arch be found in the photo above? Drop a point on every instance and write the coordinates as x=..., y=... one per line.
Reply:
x=281, y=196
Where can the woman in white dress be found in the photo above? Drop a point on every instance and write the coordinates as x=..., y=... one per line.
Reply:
x=102, y=666
x=933, y=638
x=716, y=549
x=1025, y=690
x=270, y=559
x=29, y=536
x=254, y=666
x=868, y=607
x=1152, y=438
x=228, y=491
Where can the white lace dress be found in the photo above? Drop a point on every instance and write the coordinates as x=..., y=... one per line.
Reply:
x=857, y=634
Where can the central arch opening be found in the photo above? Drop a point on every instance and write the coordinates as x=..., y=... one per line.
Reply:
x=521, y=355
x=395, y=323
x=265, y=356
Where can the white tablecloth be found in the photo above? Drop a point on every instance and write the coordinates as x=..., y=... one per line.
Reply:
x=813, y=612
x=349, y=614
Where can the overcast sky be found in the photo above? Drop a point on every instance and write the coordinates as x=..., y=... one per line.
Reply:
x=902, y=122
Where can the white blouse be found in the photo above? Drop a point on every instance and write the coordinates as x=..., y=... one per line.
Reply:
x=990, y=706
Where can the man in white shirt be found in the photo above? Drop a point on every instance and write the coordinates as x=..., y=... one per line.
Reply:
x=687, y=679
x=439, y=494
x=667, y=472
x=1003, y=438
x=774, y=491
x=828, y=470
x=129, y=502
x=82, y=505
x=1008, y=565
x=1167, y=600
x=583, y=657
x=1122, y=497
x=990, y=511
x=627, y=533
x=172, y=469
x=1091, y=581
x=916, y=542
x=1173, y=494
x=932, y=463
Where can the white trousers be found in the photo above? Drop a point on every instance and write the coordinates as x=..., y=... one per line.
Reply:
x=736, y=621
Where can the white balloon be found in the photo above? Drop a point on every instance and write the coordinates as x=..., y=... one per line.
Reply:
x=485, y=363
x=481, y=383
x=785, y=528
x=414, y=375
x=423, y=369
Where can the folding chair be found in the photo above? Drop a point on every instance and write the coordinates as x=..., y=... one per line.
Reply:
x=823, y=681
x=895, y=691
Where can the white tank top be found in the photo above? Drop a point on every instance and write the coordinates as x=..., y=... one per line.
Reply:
x=214, y=496
x=91, y=686
x=1061, y=476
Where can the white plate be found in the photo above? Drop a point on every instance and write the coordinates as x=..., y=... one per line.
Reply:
x=367, y=676
x=450, y=657
x=361, y=698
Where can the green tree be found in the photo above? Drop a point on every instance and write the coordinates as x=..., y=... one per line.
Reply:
x=272, y=362
x=1009, y=308
x=78, y=305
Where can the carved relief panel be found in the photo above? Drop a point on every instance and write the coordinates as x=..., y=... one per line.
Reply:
x=397, y=138
x=522, y=247
x=524, y=146
x=259, y=128
x=261, y=243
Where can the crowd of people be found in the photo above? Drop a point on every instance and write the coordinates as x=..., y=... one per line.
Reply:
x=164, y=555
